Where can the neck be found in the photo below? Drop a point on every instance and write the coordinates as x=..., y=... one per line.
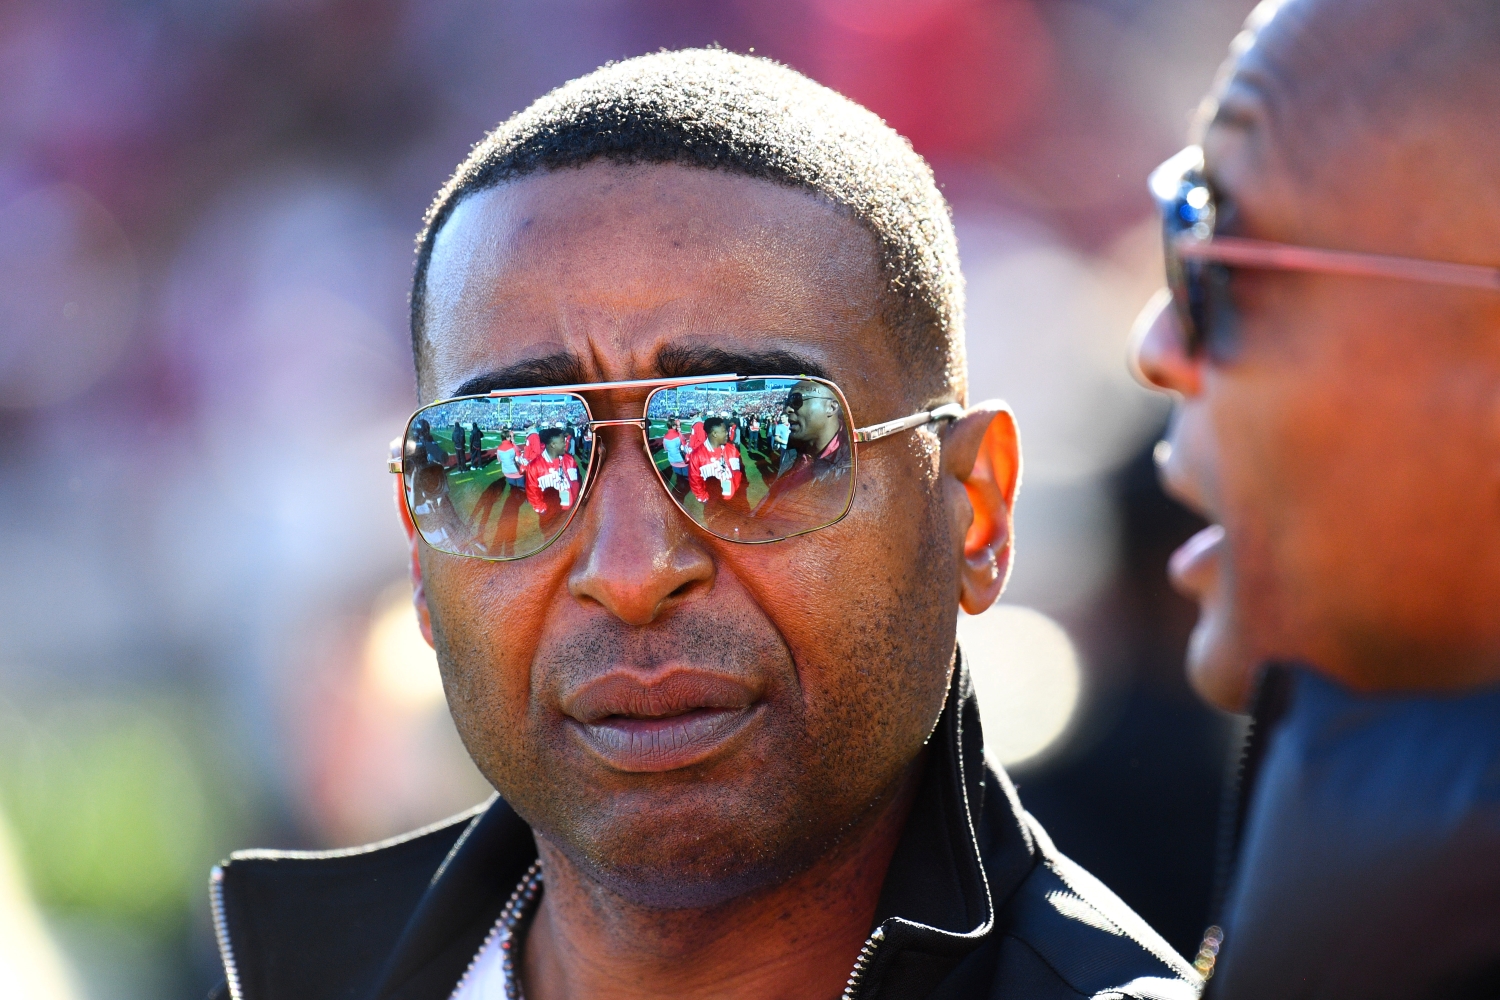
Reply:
x=1411, y=668
x=798, y=938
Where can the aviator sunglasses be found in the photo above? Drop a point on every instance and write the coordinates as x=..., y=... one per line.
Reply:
x=500, y=476
x=1199, y=261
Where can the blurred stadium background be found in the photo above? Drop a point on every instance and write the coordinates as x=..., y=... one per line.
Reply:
x=206, y=220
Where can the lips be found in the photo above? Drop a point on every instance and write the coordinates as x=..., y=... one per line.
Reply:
x=1195, y=565
x=662, y=720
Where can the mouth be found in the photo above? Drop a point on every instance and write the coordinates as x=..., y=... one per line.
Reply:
x=652, y=722
x=1194, y=568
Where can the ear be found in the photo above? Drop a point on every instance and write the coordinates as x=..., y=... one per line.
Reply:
x=414, y=540
x=982, y=450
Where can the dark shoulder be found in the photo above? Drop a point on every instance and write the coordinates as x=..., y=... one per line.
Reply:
x=325, y=920
x=1062, y=925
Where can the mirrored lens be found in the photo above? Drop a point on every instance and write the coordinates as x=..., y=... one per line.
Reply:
x=756, y=459
x=497, y=477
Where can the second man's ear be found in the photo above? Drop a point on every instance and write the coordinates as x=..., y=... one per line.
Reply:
x=982, y=450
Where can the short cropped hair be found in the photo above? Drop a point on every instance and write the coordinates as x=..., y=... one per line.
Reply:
x=549, y=434
x=717, y=110
x=712, y=424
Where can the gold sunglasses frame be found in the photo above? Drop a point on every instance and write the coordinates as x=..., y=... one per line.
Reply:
x=861, y=435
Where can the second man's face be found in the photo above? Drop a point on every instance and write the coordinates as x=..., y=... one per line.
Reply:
x=1340, y=448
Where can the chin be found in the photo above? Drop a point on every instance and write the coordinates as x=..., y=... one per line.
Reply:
x=1217, y=666
x=689, y=848
x=695, y=869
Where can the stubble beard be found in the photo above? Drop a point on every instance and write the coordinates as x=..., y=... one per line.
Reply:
x=702, y=836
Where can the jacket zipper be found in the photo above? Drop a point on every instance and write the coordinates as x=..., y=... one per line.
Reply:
x=221, y=932
x=862, y=963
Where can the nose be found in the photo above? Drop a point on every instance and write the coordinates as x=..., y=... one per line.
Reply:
x=640, y=557
x=1159, y=355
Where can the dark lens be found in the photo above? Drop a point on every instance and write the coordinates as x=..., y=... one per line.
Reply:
x=497, y=477
x=1200, y=289
x=757, y=459
x=1180, y=281
x=1214, y=317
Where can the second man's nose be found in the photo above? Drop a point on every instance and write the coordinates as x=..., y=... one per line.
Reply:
x=1159, y=355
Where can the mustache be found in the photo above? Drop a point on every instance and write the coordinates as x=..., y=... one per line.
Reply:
x=727, y=645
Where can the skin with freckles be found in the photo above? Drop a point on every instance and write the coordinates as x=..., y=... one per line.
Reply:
x=1347, y=447
x=819, y=665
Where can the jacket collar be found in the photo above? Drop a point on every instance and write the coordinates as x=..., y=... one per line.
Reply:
x=955, y=859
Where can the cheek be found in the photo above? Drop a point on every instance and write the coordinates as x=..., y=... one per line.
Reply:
x=487, y=620
x=1251, y=452
x=868, y=606
x=1335, y=441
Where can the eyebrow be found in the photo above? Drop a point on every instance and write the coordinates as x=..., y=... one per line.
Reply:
x=551, y=369
x=672, y=361
x=682, y=362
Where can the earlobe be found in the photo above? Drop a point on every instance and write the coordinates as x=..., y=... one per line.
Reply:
x=414, y=541
x=983, y=451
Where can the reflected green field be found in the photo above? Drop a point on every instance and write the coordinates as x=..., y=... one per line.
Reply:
x=466, y=488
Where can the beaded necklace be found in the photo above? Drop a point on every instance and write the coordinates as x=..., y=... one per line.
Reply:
x=504, y=938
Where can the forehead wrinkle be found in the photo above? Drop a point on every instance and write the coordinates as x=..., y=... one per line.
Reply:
x=1290, y=71
x=1261, y=103
x=1248, y=99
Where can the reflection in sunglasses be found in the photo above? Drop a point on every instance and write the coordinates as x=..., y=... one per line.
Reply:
x=500, y=477
x=747, y=461
x=796, y=399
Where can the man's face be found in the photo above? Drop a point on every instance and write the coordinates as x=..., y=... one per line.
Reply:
x=718, y=435
x=1345, y=447
x=814, y=420
x=556, y=445
x=678, y=756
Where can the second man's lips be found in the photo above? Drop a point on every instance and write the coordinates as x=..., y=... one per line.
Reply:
x=1193, y=567
x=659, y=720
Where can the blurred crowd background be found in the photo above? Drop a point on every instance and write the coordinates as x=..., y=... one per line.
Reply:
x=207, y=212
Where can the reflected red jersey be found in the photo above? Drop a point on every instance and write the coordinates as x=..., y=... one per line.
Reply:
x=558, y=474
x=715, y=472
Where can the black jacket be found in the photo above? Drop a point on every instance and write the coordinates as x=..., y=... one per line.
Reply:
x=1367, y=847
x=977, y=904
